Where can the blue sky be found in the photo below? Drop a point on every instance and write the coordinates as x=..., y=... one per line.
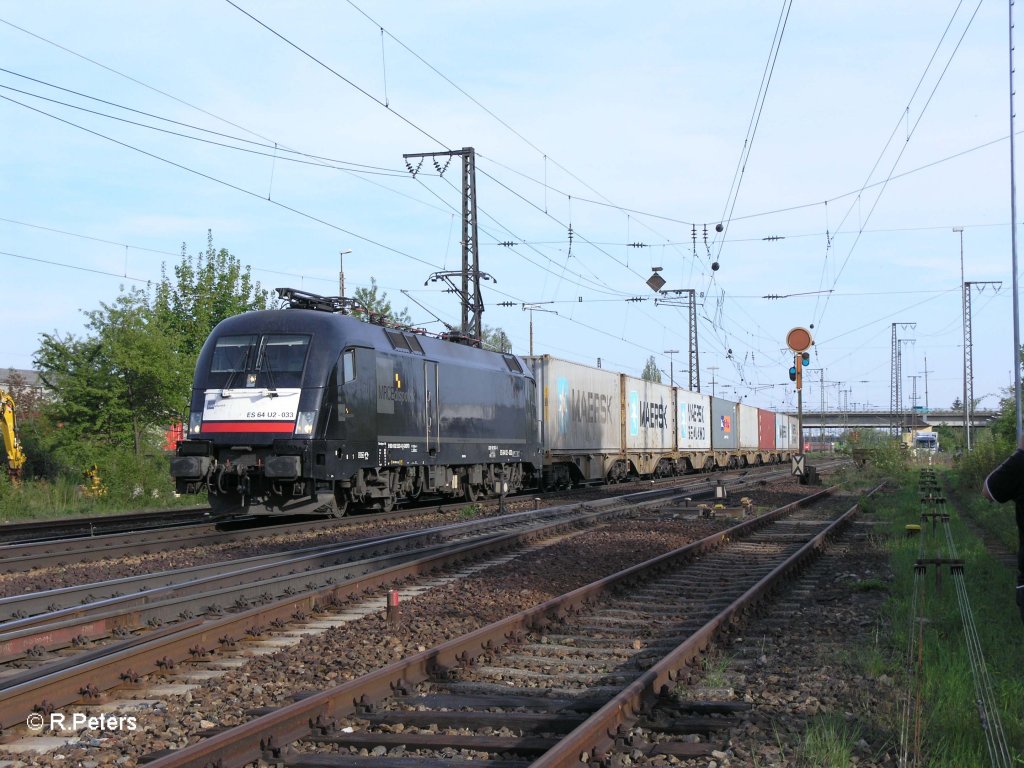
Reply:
x=626, y=122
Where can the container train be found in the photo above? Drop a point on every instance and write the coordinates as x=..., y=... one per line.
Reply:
x=310, y=409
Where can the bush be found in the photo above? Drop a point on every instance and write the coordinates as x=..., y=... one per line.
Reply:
x=987, y=452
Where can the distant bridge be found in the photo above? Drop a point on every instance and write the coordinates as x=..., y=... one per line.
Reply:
x=882, y=418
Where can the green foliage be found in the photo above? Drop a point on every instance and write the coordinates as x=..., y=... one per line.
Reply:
x=886, y=456
x=829, y=741
x=131, y=482
x=1004, y=425
x=469, y=511
x=205, y=289
x=375, y=305
x=497, y=340
x=988, y=448
x=651, y=372
x=953, y=735
x=113, y=391
x=117, y=383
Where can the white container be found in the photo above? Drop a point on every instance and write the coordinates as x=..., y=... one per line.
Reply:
x=648, y=422
x=693, y=421
x=748, y=428
x=579, y=406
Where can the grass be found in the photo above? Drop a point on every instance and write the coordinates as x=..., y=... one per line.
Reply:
x=715, y=666
x=469, y=511
x=829, y=741
x=952, y=733
x=47, y=499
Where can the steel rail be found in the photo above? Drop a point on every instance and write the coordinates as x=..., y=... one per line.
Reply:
x=268, y=735
x=595, y=737
x=197, y=641
x=248, y=579
x=91, y=546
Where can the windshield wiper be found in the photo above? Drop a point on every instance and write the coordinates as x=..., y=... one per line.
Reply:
x=240, y=369
x=265, y=361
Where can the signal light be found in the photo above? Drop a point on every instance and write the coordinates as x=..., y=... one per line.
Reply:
x=805, y=357
x=792, y=373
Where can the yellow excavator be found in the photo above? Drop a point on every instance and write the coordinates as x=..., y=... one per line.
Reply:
x=12, y=447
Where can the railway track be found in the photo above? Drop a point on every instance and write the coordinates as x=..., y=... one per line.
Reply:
x=245, y=601
x=552, y=685
x=150, y=537
x=532, y=666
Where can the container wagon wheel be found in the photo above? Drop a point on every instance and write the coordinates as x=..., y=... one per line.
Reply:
x=472, y=493
x=387, y=503
x=339, y=507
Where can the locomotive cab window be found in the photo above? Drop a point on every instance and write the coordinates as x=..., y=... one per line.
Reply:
x=282, y=358
x=232, y=353
x=271, y=360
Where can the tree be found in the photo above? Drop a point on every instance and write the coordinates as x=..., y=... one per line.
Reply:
x=376, y=307
x=958, y=404
x=497, y=340
x=651, y=371
x=205, y=289
x=132, y=372
x=117, y=383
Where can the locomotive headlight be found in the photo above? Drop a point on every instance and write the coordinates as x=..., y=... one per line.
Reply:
x=304, y=423
x=195, y=422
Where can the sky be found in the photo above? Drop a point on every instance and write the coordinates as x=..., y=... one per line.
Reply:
x=838, y=145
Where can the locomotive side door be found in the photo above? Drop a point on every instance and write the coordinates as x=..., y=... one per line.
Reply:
x=356, y=411
x=431, y=408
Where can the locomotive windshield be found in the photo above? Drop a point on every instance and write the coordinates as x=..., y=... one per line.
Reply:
x=254, y=360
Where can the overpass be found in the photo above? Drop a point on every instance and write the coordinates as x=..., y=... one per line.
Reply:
x=883, y=417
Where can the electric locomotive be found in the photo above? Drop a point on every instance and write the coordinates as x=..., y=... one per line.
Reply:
x=310, y=409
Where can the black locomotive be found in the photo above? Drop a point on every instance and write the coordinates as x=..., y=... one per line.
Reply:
x=308, y=408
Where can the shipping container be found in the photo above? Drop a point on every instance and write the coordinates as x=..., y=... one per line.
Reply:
x=693, y=421
x=580, y=406
x=724, y=425
x=748, y=438
x=648, y=415
x=782, y=439
x=765, y=430
x=794, y=434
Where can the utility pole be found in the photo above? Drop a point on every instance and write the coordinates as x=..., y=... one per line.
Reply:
x=1013, y=255
x=470, y=274
x=927, y=407
x=531, y=308
x=671, y=368
x=899, y=368
x=712, y=368
x=821, y=380
x=895, y=396
x=341, y=273
x=691, y=304
x=969, y=354
x=963, y=305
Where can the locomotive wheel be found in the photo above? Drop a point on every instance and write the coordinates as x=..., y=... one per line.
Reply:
x=472, y=493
